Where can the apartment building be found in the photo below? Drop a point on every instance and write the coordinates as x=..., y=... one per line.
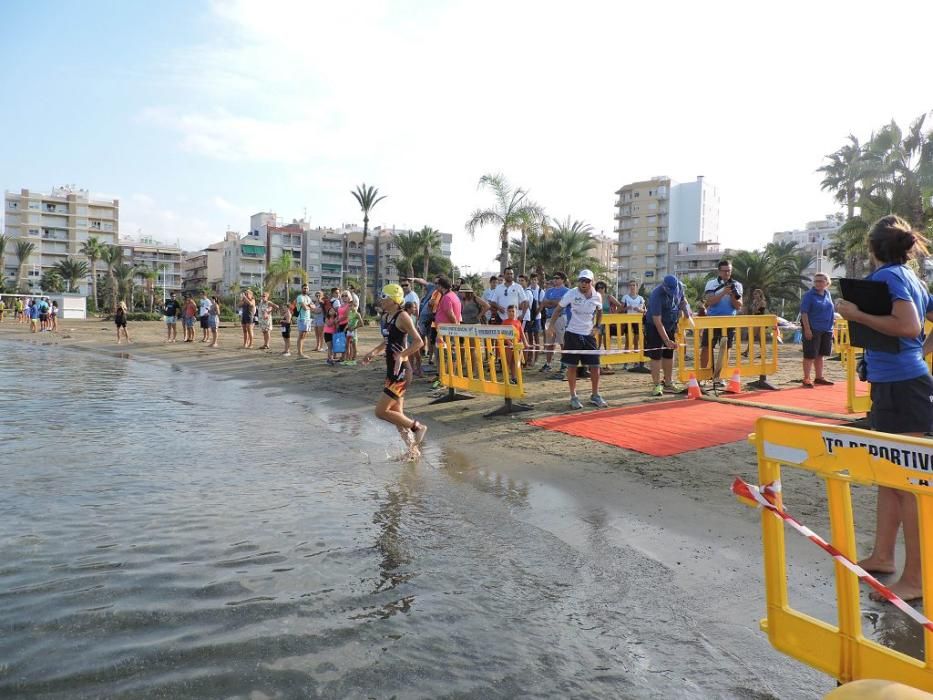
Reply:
x=655, y=213
x=696, y=259
x=244, y=262
x=57, y=223
x=815, y=238
x=606, y=252
x=146, y=252
x=204, y=269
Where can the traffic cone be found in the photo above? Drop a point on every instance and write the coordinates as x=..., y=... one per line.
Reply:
x=735, y=384
x=693, y=387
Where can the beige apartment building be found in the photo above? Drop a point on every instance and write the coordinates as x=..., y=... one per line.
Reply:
x=57, y=223
x=147, y=252
x=656, y=219
x=204, y=269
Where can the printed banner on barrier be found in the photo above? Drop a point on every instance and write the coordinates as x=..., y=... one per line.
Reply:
x=473, y=331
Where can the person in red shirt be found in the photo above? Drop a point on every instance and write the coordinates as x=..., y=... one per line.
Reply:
x=510, y=357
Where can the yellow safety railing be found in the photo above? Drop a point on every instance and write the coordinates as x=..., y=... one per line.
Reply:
x=756, y=334
x=474, y=357
x=842, y=456
x=624, y=334
x=858, y=398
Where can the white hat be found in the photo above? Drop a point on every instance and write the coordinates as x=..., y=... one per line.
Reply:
x=586, y=274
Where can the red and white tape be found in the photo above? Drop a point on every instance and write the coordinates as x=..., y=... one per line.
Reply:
x=761, y=495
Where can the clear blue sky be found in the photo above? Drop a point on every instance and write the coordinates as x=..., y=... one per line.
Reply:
x=197, y=114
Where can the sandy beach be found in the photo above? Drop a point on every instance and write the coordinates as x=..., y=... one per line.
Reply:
x=671, y=521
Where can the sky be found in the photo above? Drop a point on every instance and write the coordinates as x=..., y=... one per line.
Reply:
x=197, y=114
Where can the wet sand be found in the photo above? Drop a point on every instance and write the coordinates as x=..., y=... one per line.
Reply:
x=676, y=512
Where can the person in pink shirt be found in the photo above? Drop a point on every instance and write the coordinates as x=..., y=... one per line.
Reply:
x=449, y=307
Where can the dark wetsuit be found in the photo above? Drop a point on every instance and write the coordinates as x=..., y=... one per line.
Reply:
x=395, y=339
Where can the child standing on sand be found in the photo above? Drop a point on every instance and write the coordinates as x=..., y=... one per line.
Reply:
x=354, y=321
x=119, y=319
x=285, y=324
x=330, y=327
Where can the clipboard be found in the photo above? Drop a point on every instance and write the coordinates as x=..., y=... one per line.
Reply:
x=872, y=298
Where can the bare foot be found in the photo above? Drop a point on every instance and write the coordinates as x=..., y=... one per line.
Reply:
x=905, y=591
x=307, y=357
x=875, y=565
x=421, y=433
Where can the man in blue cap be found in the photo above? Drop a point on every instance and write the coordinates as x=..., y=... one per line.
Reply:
x=665, y=306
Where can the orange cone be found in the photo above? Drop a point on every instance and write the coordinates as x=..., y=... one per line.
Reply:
x=693, y=387
x=735, y=384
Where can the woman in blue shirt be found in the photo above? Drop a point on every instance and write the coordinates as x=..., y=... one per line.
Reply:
x=901, y=387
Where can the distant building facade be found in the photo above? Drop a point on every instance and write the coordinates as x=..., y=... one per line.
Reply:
x=652, y=214
x=155, y=255
x=204, y=269
x=815, y=238
x=58, y=223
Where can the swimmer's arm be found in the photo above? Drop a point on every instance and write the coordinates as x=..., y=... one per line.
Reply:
x=405, y=323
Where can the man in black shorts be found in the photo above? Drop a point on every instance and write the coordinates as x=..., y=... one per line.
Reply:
x=665, y=306
x=586, y=312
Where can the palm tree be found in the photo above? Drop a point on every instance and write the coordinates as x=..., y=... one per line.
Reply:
x=843, y=173
x=409, y=245
x=367, y=198
x=72, y=270
x=124, y=275
x=282, y=270
x=91, y=249
x=513, y=210
x=563, y=246
x=475, y=282
x=694, y=288
x=24, y=249
x=775, y=271
x=429, y=242
x=52, y=282
x=111, y=256
x=150, y=277
x=4, y=239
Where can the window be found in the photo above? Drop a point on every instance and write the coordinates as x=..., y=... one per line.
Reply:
x=34, y=205
x=653, y=205
x=12, y=205
x=652, y=219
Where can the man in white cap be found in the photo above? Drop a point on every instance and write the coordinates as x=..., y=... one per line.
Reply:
x=586, y=312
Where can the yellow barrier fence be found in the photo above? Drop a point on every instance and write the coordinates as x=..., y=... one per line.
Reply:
x=754, y=334
x=842, y=456
x=858, y=393
x=474, y=358
x=624, y=334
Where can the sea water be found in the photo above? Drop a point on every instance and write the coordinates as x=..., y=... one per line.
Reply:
x=167, y=534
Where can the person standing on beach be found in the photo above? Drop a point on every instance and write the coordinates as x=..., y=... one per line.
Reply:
x=901, y=389
x=264, y=310
x=53, y=315
x=171, y=310
x=586, y=311
x=666, y=304
x=188, y=314
x=305, y=307
x=398, y=327
x=552, y=297
x=204, y=316
x=119, y=319
x=723, y=297
x=817, y=316
x=285, y=325
x=247, y=311
x=214, y=320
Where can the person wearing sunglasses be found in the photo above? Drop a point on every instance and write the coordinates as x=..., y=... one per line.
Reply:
x=586, y=311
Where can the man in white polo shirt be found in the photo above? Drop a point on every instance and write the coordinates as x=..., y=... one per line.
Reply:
x=586, y=312
x=509, y=293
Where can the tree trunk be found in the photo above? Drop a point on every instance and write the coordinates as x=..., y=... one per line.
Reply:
x=113, y=292
x=427, y=263
x=365, y=284
x=94, y=283
x=503, y=249
x=524, y=249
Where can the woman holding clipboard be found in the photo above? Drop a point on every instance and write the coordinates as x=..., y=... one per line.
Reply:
x=901, y=387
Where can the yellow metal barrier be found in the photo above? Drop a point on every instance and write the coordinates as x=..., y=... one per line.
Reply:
x=842, y=456
x=858, y=399
x=761, y=342
x=468, y=360
x=622, y=332
x=841, y=337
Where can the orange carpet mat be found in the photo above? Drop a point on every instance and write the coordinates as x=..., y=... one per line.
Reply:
x=830, y=399
x=666, y=428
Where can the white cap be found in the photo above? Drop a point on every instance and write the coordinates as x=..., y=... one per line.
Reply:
x=586, y=274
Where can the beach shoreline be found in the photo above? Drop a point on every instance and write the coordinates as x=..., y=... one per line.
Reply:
x=674, y=511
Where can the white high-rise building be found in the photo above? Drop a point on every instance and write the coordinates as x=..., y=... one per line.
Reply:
x=57, y=224
x=166, y=258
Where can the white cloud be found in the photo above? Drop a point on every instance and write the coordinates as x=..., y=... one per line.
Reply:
x=569, y=101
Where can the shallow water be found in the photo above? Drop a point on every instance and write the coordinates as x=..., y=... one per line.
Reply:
x=165, y=534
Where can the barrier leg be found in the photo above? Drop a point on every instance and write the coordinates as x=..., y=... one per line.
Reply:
x=452, y=395
x=508, y=408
